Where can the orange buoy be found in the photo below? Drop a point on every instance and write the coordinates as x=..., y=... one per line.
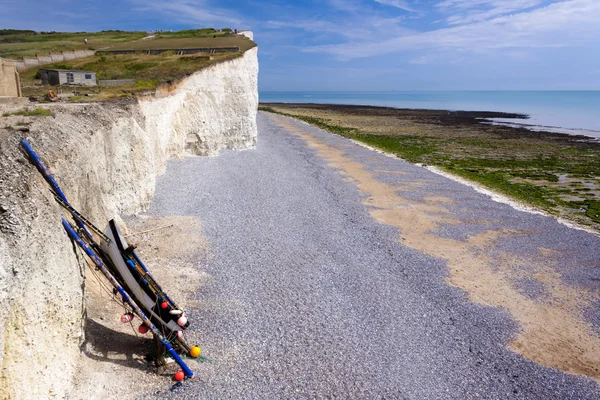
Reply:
x=179, y=375
x=143, y=329
x=195, y=351
x=164, y=304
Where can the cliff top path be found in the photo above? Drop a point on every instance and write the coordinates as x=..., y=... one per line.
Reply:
x=338, y=272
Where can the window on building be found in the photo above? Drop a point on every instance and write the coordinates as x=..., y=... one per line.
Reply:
x=88, y=76
x=70, y=77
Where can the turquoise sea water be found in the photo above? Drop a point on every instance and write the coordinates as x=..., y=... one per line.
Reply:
x=575, y=112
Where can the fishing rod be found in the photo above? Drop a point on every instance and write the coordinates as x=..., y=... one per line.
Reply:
x=143, y=266
x=126, y=298
x=83, y=222
x=147, y=278
x=78, y=216
x=86, y=241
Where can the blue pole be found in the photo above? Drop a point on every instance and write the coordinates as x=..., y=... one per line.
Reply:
x=71, y=232
x=39, y=164
x=139, y=261
x=41, y=167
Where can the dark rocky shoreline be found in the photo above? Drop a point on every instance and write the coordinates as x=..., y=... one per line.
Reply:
x=473, y=119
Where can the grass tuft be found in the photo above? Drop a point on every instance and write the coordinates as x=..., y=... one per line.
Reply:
x=36, y=112
x=593, y=210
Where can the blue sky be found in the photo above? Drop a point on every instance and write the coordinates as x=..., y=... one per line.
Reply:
x=370, y=44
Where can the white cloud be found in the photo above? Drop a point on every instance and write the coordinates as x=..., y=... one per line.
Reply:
x=481, y=10
x=403, y=5
x=320, y=27
x=350, y=6
x=356, y=28
x=197, y=12
x=473, y=3
x=567, y=23
x=351, y=19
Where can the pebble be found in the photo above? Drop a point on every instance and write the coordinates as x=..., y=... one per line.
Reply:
x=282, y=225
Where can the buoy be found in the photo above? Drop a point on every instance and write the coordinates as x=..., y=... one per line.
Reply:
x=182, y=321
x=195, y=351
x=180, y=334
x=164, y=304
x=127, y=317
x=179, y=375
x=143, y=329
x=175, y=312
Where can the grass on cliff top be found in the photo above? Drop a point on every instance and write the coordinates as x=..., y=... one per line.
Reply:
x=204, y=32
x=164, y=67
x=17, y=44
x=182, y=42
x=148, y=71
x=558, y=174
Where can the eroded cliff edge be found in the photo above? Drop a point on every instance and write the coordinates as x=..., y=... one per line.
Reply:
x=106, y=157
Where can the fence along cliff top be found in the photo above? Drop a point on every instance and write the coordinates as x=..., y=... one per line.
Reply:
x=182, y=51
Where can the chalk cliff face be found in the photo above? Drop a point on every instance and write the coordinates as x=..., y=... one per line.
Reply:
x=207, y=111
x=106, y=157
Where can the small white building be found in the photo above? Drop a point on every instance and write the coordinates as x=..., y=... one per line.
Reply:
x=59, y=77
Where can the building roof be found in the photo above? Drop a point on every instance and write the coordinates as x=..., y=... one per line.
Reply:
x=67, y=70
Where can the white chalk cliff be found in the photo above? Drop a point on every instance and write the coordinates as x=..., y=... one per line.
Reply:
x=106, y=157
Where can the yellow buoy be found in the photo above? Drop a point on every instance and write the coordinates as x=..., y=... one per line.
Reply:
x=195, y=351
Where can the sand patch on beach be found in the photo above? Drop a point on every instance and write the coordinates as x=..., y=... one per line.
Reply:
x=169, y=247
x=554, y=333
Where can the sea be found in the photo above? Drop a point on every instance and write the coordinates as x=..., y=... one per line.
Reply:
x=571, y=112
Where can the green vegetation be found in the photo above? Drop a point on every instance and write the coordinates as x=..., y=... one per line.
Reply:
x=593, y=210
x=412, y=148
x=5, y=32
x=176, y=42
x=195, y=33
x=26, y=43
x=146, y=84
x=22, y=43
x=148, y=71
x=206, y=32
x=36, y=112
x=556, y=173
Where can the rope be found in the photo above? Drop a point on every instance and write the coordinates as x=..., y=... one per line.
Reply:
x=112, y=296
x=80, y=217
x=149, y=230
x=172, y=336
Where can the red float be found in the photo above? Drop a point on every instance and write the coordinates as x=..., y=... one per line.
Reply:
x=179, y=375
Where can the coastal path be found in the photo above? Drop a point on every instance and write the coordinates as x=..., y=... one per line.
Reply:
x=335, y=271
